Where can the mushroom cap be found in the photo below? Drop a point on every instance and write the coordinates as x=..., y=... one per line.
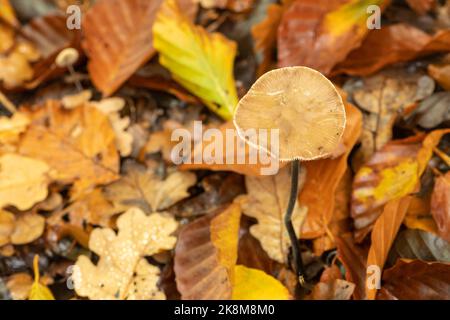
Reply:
x=302, y=104
x=67, y=57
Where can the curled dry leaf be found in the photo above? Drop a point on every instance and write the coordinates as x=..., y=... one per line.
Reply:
x=416, y=280
x=78, y=144
x=417, y=244
x=122, y=271
x=383, y=235
x=143, y=188
x=199, y=61
x=118, y=40
x=392, y=44
x=206, y=254
x=23, y=181
x=320, y=33
x=354, y=258
x=266, y=201
x=323, y=177
x=383, y=96
x=440, y=205
x=331, y=286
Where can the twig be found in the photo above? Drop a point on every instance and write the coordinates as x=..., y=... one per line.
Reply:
x=7, y=103
x=298, y=262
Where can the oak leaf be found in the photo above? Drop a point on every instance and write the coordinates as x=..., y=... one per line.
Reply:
x=23, y=181
x=78, y=144
x=122, y=271
x=143, y=188
x=266, y=201
x=199, y=61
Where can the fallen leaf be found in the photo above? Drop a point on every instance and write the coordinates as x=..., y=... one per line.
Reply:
x=440, y=205
x=323, y=177
x=265, y=36
x=206, y=254
x=239, y=158
x=433, y=111
x=354, y=258
x=143, y=188
x=39, y=291
x=7, y=225
x=122, y=271
x=7, y=13
x=267, y=201
x=19, y=285
x=419, y=216
x=384, y=233
x=15, y=68
x=199, y=61
x=331, y=286
x=10, y=130
x=27, y=228
x=384, y=96
x=416, y=280
x=390, y=174
x=440, y=73
x=392, y=44
x=421, y=6
x=23, y=181
x=234, y=5
x=319, y=34
x=78, y=144
x=254, y=284
x=115, y=56
x=417, y=244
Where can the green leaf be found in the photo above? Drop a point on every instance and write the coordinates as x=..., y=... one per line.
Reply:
x=199, y=61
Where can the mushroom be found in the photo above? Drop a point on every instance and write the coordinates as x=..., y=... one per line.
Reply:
x=66, y=59
x=309, y=114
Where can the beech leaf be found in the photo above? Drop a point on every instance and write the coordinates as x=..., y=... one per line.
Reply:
x=199, y=61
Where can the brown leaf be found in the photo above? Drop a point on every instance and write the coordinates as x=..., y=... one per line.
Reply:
x=320, y=33
x=440, y=205
x=205, y=255
x=354, y=258
x=421, y=245
x=384, y=233
x=421, y=6
x=392, y=44
x=79, y=144
x=416, y=280
x=118, y=40
x=331, y=286
x=265, y=36
x=440, y=73
x=323, y=177
x=19, y=285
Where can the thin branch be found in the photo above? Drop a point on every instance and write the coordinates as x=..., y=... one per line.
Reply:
x=297, y=257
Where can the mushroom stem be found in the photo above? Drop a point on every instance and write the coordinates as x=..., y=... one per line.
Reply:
x=298, y=262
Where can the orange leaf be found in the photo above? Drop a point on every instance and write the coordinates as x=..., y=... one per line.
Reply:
x=323, y=177
x=320, y=33
x=392, y=44
x=384, y=233
x=440, y=205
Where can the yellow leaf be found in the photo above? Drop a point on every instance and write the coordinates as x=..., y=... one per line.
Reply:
x=350, y=15
x=199, y=61
x=254, y=284
x=7, y=13
x=23, y=181
x=39, y=291
x=122, y=271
